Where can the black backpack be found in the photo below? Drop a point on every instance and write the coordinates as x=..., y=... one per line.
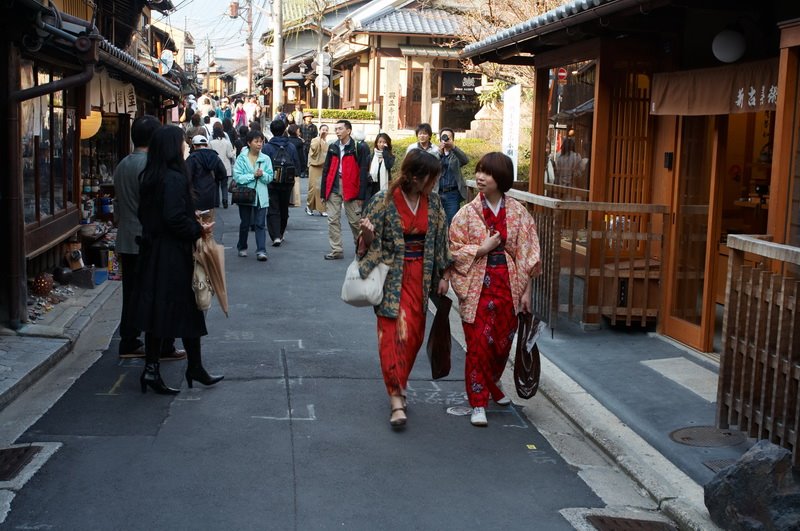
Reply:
x=283, y=166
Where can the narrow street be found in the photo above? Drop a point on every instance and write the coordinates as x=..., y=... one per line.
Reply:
x=297, y=435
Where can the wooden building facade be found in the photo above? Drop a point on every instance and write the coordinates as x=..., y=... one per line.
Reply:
x=678, y=125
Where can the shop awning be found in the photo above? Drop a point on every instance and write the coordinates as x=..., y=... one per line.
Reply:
x=117, y=59
x=747, y=87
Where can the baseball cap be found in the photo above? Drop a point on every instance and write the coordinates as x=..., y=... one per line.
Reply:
x=199, y=140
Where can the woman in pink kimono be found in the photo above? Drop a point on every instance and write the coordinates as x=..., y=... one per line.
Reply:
x=495, y=251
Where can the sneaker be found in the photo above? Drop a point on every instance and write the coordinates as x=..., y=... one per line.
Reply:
x=478, y=417
x=243, y=253
x=135, y=353
x=308, y=211
x=334, y=256
x=175, y=355
x=504, y=401
x=261, y=257
x=276, y=242
x=324, y=214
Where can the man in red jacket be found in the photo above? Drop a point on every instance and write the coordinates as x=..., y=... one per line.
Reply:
x=344, y=180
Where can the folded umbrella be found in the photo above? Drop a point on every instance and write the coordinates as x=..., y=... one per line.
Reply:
x=211, y=256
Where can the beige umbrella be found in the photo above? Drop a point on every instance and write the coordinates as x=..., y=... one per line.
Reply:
x=211, y=256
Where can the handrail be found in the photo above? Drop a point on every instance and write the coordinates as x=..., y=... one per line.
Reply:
x=759, y=244
x=560, y=204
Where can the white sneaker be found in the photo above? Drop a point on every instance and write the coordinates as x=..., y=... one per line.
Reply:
x=276, y=242
x=243, y=253
x=308, y=211
x=324, y=214
x=503, y=401
x=478, y=417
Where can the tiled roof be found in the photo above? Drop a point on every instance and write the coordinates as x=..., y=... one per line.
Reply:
x=557, y=18
x=432, y=22
x=429, y=51
x=299, y=10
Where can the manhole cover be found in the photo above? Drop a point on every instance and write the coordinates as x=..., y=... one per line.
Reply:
x=614, y=523
x=718, y=464
x=708, y=436
x=459, y=411
x=12, y=460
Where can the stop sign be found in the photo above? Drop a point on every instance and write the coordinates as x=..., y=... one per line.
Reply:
x=562, y=76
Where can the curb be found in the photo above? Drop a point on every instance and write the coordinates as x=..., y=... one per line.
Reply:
x=70, y=333
x=677, y=495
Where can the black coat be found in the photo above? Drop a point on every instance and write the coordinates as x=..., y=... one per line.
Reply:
x=297, y=142
x=166, y=304
x=206, y=170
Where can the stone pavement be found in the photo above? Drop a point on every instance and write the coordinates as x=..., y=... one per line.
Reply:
x=626, y=390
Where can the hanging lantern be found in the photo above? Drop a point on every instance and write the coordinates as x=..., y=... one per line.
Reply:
x=91, y=124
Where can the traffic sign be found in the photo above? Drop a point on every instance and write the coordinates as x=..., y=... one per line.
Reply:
x=322, y=82
x=167, y=59
x=562, y=76
x=324, y=58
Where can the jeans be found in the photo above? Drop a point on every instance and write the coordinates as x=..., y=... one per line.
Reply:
x=451, y=201
x=278, y=211
x=223, y=190
x=250, y=215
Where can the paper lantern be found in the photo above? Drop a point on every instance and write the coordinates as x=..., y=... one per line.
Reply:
x=728, y=46
x=91, y=124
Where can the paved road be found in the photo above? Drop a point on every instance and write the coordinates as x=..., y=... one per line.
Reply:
x=297, y=436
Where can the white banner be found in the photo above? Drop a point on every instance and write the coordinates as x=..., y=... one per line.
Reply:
x=512, y=99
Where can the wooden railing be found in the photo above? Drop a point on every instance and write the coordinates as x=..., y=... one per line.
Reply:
x=759, y=374
x=598, y=259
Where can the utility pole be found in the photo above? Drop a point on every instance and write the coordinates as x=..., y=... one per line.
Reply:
x=208, y=64
x=249, y=47
x=277, y=54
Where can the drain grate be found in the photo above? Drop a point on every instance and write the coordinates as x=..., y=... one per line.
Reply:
x=12, y=460
x=718, y=464
x=615, y=523
x=707, y=436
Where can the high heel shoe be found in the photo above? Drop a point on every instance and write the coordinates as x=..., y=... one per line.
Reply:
x=151, y=377
x=199, y=374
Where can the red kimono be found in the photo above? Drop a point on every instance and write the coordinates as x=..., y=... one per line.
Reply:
x=490, y=335
x=400, y=339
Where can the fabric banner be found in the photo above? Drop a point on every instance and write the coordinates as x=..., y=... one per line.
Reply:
x=748, y=87
x=511, y=117
x=130, y=100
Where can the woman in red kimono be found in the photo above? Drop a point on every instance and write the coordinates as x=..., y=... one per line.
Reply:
x=495, y=251
x=405, y=227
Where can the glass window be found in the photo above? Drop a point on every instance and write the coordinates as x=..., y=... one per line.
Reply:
x=48, y=130
x=569, y=139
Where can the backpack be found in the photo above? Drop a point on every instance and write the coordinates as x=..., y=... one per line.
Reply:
x=283, y=166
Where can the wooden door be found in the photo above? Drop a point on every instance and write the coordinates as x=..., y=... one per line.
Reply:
x=689, y=309
x=414, y=102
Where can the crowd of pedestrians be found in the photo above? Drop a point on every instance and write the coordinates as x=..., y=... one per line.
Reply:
x=414, y=222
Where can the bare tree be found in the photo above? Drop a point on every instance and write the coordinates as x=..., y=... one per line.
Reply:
x=484, y=18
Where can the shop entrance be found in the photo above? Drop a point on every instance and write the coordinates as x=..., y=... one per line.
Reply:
x=722, y=187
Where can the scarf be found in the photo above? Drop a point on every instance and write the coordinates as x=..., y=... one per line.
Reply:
x=377, y=170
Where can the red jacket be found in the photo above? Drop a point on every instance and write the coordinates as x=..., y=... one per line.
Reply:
x=354, y=172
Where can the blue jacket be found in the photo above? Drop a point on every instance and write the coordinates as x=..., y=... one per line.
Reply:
x=244, y=173
x=270, y=148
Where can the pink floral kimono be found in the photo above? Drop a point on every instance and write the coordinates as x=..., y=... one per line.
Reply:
x=489, y=288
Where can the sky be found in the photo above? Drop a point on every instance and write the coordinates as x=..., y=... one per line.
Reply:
x=209, y=19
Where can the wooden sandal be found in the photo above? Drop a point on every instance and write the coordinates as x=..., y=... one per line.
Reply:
x=396, y=422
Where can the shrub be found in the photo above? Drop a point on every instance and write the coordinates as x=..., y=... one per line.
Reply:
x=343, y=114
x=474, y=148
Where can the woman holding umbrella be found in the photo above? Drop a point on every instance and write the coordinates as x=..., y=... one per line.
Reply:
x=170, y=228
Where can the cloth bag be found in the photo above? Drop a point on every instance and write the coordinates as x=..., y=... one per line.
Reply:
x=201, y=287
x=357, y=291
x=527, y=363
x=439, y=340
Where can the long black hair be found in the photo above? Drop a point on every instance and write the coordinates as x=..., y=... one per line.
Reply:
x=165, y=152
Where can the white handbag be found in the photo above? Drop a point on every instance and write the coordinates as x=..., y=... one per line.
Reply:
x=202, y=287
x=357, y=291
